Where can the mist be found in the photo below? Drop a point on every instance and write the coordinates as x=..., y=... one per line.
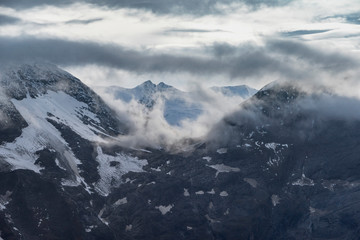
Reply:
x=149, y=128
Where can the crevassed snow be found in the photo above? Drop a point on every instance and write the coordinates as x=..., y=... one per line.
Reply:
x=110, y=175
x=221, y=168
x=164, y=209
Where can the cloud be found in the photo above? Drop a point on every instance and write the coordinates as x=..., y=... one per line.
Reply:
x=4, y=20
x=353, y=18
x=330, y=106
x=200, y=7
x=189, y=30
x=87, y=21
x=320, y=59
x=275, y=59
x=149, y=128
x=303, y=32
x=309, y=113
x=248, y=61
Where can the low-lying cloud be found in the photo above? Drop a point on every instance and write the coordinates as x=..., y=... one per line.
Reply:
x=149, y=128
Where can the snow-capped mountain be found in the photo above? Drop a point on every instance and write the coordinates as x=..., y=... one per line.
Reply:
x=277, y=168
x=177, y=105
x=53, y=128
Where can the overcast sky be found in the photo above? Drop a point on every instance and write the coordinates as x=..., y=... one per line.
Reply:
x=228, y=42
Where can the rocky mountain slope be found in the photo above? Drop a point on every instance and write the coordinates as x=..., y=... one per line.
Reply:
x=275, y=169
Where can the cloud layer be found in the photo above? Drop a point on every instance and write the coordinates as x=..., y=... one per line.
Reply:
x=277, y=59
x=200, y=7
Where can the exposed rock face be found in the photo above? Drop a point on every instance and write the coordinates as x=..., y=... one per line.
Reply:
x=273, y=170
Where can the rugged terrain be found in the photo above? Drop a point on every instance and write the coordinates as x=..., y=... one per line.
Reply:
x=275, y=169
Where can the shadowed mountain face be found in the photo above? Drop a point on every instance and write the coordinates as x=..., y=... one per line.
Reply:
x=282, y=167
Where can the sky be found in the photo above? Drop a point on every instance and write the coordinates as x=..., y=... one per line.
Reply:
x=187, y=43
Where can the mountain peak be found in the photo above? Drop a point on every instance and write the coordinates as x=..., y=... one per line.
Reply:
x=35, y=80
x=280, y=91
x=147, y=83
x=163, y=87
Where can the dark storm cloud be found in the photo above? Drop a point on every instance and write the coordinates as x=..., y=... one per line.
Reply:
x=303, y=32
x=87, y=21
x=4, y=20
x=222, y=59
x=198, y=7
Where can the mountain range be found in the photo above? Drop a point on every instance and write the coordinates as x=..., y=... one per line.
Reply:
x=177, y=105
x=282, y=166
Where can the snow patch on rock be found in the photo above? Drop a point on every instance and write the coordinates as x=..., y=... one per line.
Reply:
x=221, y=150
x=110, y=176
x=221, y=168
x=164, y=209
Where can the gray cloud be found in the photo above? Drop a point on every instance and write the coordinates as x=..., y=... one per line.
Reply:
x=303, y=32
x=87, y=21
x=4, y=20
x=353, y=18
x=332, y=106
x=199, y=7
x=246, y=62
x=330, y=61
x=222, y=59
